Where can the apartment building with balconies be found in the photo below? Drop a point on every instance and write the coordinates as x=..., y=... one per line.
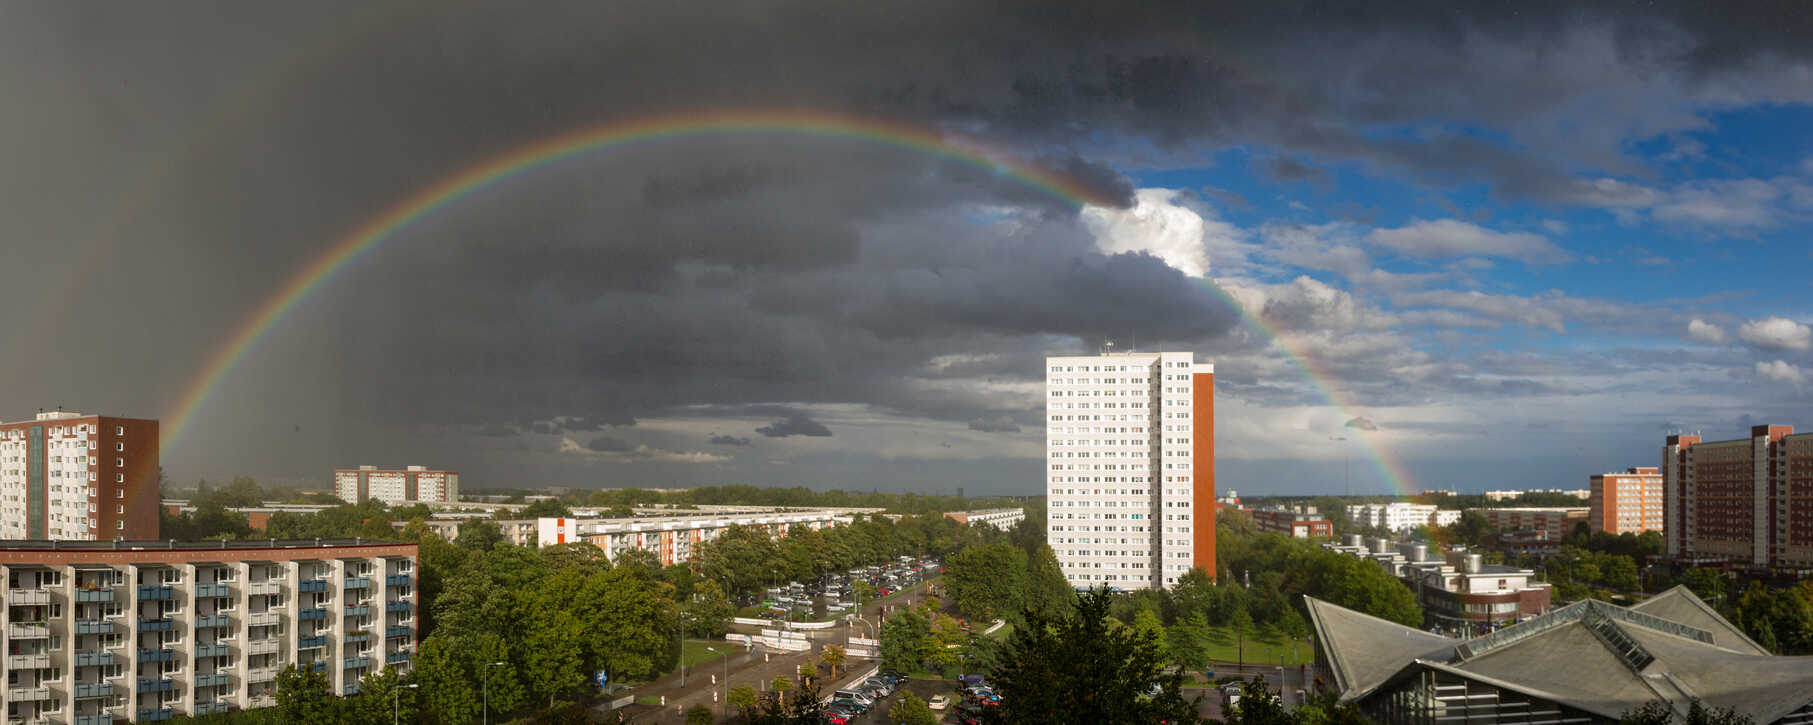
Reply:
x=104, y=632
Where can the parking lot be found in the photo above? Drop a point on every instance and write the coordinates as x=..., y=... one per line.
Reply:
x=924, y=689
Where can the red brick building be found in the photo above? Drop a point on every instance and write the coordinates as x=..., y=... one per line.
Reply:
x=1555, y=522
x=1747, y=501
x=1628, y=502
x=69, y=476
x=1292, y=523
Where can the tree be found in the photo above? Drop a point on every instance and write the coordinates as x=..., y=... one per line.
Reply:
x=448, y=691
x=547, y=508
x=1076, y=668
x=1188, y=640
x=382, y=697
x=833, y=657
x=1660, y=712
x=987, y=581
x=699, y=715
x=905, y=637
x=1258, y=705
x=910, y=710
x=707, y=613
x=303, y=698
x=744, y=699
x=1242, y=625
x=1147, y=625
x=476, y=535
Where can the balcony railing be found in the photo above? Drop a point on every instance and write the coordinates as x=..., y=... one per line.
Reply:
x=156, y=655
x=312, y=585
x=156, y=592
x=213, y=590
x=94, y=659
x=156, y=625
x=263, y=646
x=213, y=620
x=396, y=606
x=396, y=580
x=351, y=688
x=309, y=614
x=94, y=626
x=217, y=649
x=261, y=701
x=358, y=610
x=357, y=662
x=351, y=638
x=209, y=708
x=212, y=679
x=268, y=586
x=156, y=714
x=27, y=630
x=105, y=718
x=27, y=694
x=320, y=666
x=94, y=689
x=398, y=632
x=95, y=595
x=311, y=642
x=28, y=597
x=264, y=619
x=358, y=582
x=27, y=662
x=261, y=674
x=145, y=686
x=396, y=658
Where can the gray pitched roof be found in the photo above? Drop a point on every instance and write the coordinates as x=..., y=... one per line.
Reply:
x=1590, y=655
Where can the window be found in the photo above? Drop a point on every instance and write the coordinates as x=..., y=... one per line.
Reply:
x=119, y=525
x=119, y=447
x=119, y=430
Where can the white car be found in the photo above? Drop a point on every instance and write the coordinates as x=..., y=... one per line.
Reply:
x=939, y=702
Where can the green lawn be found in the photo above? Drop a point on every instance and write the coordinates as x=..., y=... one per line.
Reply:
x=1004, y=631
x=698, y=656
x=1224, y=647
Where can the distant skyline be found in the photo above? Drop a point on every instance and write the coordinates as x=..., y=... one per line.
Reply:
x=1521, y=244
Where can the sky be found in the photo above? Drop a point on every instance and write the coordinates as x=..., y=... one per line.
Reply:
x=1426, y=244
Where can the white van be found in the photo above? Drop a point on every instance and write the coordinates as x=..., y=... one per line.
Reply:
x=854, y=696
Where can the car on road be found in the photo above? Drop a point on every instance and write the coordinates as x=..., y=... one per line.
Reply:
x=939, y=701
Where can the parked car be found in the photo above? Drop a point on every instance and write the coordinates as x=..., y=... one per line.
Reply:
x=939, y=701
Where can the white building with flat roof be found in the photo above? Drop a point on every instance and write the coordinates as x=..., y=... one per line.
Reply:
x=1400, y=516
x=411, y=484
x=1130, y=467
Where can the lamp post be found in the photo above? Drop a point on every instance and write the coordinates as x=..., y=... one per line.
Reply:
x=395, y=702
x=487, y=690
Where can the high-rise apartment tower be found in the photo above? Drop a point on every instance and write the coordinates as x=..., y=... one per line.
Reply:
x=69, y=476
x=1747, y=501
x=1628, y=502
x=1130, y=467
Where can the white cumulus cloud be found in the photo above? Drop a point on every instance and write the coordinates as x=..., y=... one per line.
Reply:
x=1776, y=333
x=1454, y=238
x=1704, y=331
x=1158, y=225
x=1781, y=371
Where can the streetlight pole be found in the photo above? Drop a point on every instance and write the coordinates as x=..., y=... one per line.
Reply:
x=395, y=706
x=487, y=691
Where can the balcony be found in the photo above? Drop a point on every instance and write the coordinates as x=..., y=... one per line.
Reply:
x=358, y=582
x=351, y=638
x=264, y=619
x=268, y=586
x=156, y=714
x=351, y=688
x=96, y=595
x=145, y=686
x=312, y=614
x=398, y=632
x=156, y=592
x=311, y=586
x=261, y=674
x=209, y=708
x=358, y=610
x=156, y=655
x=213, y=679
x=94, y=626
x=397, y=658
x=28, y=630
x=27, y=694
x=263, y=646
x=213, y=590
x=357, y=662
x=311, y=643
x=217, y=649
x=94, y=689
x=105, y=718
x=396, y=607
x=156, y=625
x=319, y=666
x=213, y=620
x=94, y=659
x=28, y=662
x=396, y=580
x=256, y=701
x=28, y=597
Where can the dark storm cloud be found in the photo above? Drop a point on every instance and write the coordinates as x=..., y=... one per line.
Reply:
x=1291, y=170
x=607, y=444
x=795, y=425
x=994, y=425
x=723, y=440
x=205, y=154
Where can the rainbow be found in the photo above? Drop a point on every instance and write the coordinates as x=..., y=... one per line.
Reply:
x=542, y=154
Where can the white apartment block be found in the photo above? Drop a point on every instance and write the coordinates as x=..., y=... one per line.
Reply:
x=393, y=486
x=670, y=538
x=1002, y=519
x=99, y=633
x=75, y=477
x=1400, y=516
x=1130, y=467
